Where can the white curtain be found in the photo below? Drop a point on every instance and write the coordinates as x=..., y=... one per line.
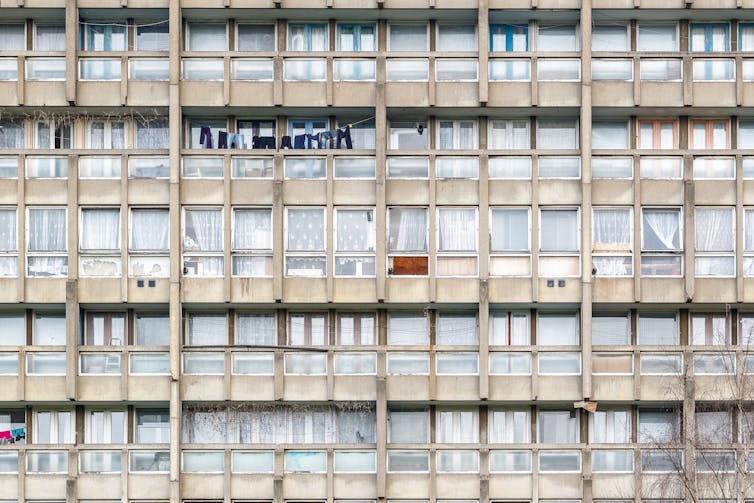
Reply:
x=558, y=427
x=457, y=37
x=149, y=229
x=457, y=330
x=662, y=230
x=306, y=229
x=47, y=229
x=11, y=134
x=203, y=230
x=611, y=135
x=408, y=329
x=256, y=329
x=12, y=37
x=101, y=229
x=207, y=37
x=207, y=330
x=714, y=229
x=457, y=426
x=612, y=230
x=408, y=230
x=510, y=134
x=557, y=134
x=510, y=427
x=355, y=231
x=253, y=230
x=153, y=134
x=50, y=37
x=458, y=229
x=8, y=230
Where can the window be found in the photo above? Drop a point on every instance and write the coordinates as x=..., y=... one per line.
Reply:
x=608, y=330
x=356, y=37
x=12, y=37
x=748, y=264
x=612, y=241
x=152, y=37
x=305, y=242
x=613, y=363
x=255, y=37
x=510, y=461
x=613, y=69
x=105, y=426
x=49, y=69
x=709, y=329
x=99, y=242
x=152, y=134
x=356, y=329
x=354, y=168
x=721, y=168
x=557, y=329
x=408, y=37
x=106, y=134
x=105, y=329
x=308, y=37
x=297, y=127
x=143, y=69
x=53, y=135
x=458, y=135
x=407, y=242
x=49, y=37
x=657, y=426
x=256, y=127
x=47, y=243
x=306, y=70
x=152, y=329
x=557, y=134
x=611, y=135
x=408, y=167
x=658, y=329
x=509, y=426
x=558, y=70
x=53, y=427
x=457, y=426
x=307, y=329
x=203, y=36
x=207, y=330
x=510, y=245
x=661, y=364
x=501, y=70
x=195, y=127
x=559, y=167
x=710, y=134
x=558, y=38
x=152, y=427
x=408, y=426
x=250, y=167
x=668, y=168
x=203, y=242
x=408, y=329
x=99, y=69
x=609, y=38
x=658, y=37
x=149, y=244
x=559, y=364
x=714, y=426
x=354, y=70
x=14, y=329
x=661, y=242
x=305, y=364
x=256, y=329
x=354, y=242
x=407, y=70
x=13, y=422
x=560, y=461
x=99, y=36
x=457, y=230
x=558, y=427
x=49, y=329
x=457, y=330
x=409, y=135
x=658, y=134
x=8, y=242
x=510, y=134
x=12, y=133
x=252, y=242
x=509, y=38
x=661, y=69
x=510, y=364
x=709, y=37
x=711, y=70
x=559, y=236
x=715, y=242
x=612, y=426
x=457, y=364
x=509, y=329
x=456, y=37
x=613, y=461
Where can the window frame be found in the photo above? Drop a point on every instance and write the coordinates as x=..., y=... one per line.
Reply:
x=390, y=30
x=357, y=27
x=187, y=35
x=202, y=253
x=708, y=31
x=404, y=253
x=251, y=252
x=107, y=425
x=657, y=134
x=730, y=254
x=676, y=252
x=47, y=253
x=12, y=251
x=305, y=253
x=364, y=254
x=107, y=133
x=308, y=25
x=616, y=253
x=274, y=35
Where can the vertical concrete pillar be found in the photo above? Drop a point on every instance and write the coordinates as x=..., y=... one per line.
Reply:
x=585, y=124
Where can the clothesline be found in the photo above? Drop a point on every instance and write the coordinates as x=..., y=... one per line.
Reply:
x=156, y=23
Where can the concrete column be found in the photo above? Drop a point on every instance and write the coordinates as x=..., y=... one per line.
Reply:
x=585, y=124
x=380, y=125
x=483, y=28
x=71, y=53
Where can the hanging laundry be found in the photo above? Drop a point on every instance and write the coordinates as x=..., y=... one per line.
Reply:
x=264, y=142
x=345, y=135
x=236, y=140
x=222, y=139
x=205, y=137
x=299, y=141
x=285, y=142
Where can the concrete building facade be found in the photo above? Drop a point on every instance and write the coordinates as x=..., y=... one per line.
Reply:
x=344, y=251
